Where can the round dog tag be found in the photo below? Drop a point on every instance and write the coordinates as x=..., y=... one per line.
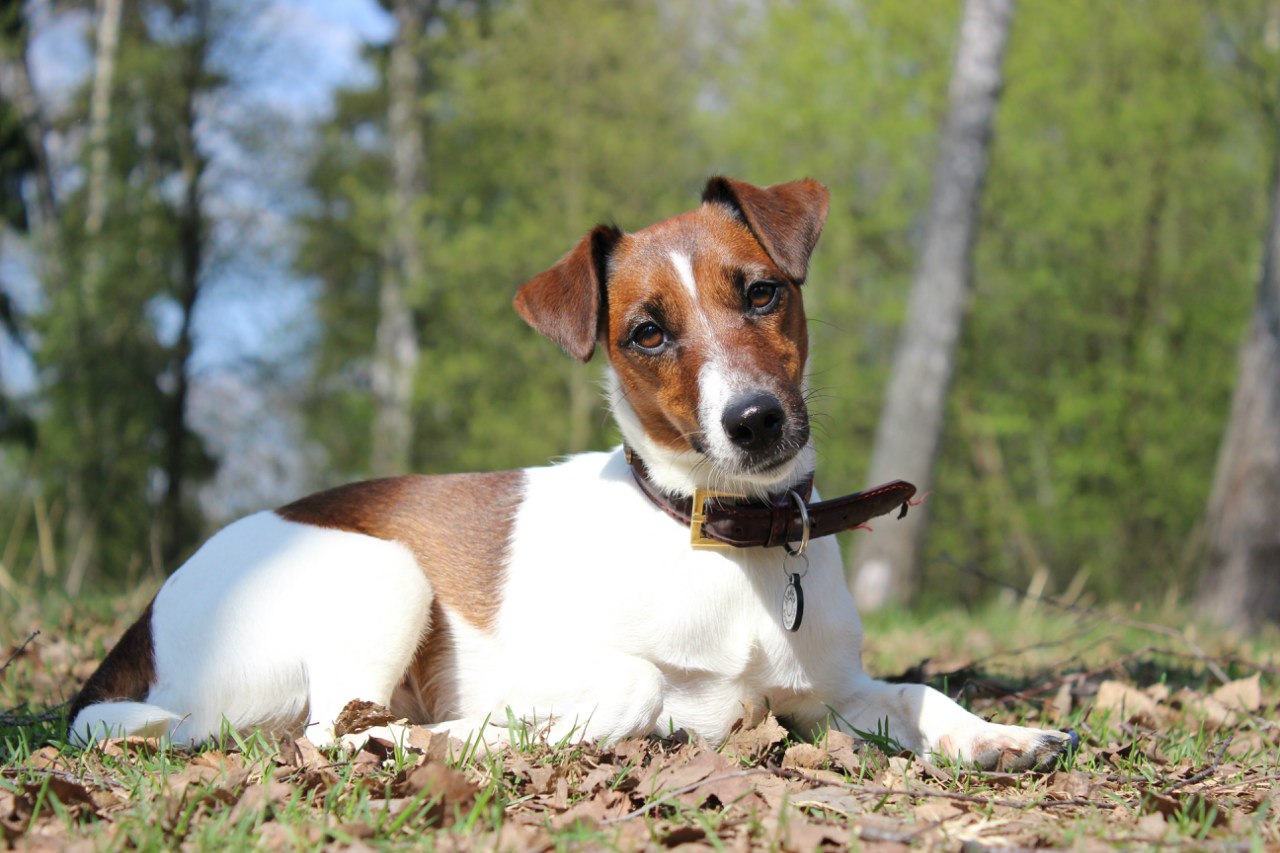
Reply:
x=792, y=604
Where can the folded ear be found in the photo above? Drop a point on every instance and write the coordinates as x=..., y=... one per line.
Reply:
x=787, y=219
x=566, y=303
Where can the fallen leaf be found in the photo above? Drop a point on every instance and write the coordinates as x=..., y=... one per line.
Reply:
x=447, y=789
x=804, y=756
x=937, y=811
x=831, y=798
x=753, y=736
x=1128, y=703
x=1243, y=694
x=360, y=715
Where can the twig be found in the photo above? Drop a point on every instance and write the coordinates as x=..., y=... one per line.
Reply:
x=18, y=652
x=9, y=718
x=1153, y=627
x=877, y=791
x=1248, y=780
x=1207, y=772
x=671, y=795
x=100, y=781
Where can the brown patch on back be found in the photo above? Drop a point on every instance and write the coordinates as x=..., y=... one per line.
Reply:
x=458, y=527
x=126, y=673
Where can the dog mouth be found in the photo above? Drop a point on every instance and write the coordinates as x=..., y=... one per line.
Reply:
x=761, y=460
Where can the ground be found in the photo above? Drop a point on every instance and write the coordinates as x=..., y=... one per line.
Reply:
x=1179, y=747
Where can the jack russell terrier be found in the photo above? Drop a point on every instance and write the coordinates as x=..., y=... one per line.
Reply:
x=580, y=594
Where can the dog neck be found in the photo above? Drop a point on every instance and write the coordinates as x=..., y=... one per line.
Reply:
x=679, y=472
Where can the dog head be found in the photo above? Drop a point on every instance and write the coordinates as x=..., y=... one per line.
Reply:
x=703, y=320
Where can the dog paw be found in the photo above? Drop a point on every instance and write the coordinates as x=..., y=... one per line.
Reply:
x=1007, y=749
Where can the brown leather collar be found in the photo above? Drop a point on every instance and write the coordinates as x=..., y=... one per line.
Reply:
x=728, y=520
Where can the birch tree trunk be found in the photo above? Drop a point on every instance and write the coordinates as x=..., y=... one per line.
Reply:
x=885, y=564
x=1241, y=580
x=84, y=521
x=175, y=534
x=395, y=358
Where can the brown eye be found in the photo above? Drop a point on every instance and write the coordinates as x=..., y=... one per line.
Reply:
x=648, y=336
x=762, y=295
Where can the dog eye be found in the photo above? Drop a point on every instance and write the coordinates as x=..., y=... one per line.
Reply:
x=761, y=295
x=648, y=336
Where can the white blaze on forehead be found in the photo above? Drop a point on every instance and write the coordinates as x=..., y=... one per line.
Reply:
x=684, y=269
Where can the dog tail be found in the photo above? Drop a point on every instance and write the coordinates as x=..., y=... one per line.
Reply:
x=117, y=719
x=113, y=701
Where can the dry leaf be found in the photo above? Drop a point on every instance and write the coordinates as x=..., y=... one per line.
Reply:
x=831, y=798
x=844, y=751
x=360, y=715
x=1062, y=700
x=1127, y=703
x=1243, y=694
x=446, y=788
x=937, y=811
x=753, y=736
x=803, y=756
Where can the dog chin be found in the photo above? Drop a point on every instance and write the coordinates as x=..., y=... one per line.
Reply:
x=762, y=478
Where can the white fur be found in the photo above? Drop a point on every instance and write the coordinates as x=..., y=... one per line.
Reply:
x=273, y=621
x=684, y=269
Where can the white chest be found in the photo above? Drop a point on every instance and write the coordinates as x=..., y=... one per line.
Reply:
x=597, y=569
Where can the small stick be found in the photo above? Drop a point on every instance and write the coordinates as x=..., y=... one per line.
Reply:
x=1207, y=772
x=22, y=648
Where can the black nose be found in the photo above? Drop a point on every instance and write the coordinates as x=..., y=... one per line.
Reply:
x=754, y=421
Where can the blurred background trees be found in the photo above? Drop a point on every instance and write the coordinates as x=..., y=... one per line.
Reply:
x=224, y=281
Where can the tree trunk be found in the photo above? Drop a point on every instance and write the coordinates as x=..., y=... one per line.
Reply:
x=85, y=523
x=15, y=85
x=395, y=358
x=108, y=44
x=1241, y=580
x=175, y=535
x=885, y=565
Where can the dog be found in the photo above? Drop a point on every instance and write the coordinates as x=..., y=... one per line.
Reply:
x=579, y=595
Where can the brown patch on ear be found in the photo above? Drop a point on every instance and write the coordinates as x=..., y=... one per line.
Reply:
x=787, y=219
x=566, y=303
x=458, y=527
x=126, y=673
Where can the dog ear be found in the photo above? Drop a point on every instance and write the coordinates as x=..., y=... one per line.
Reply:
x=787, y=219
x=567, y=302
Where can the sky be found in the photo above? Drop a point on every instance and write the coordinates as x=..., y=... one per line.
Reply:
x=254, y=309
x=308, y=49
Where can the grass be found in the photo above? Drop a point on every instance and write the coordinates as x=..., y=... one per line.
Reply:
x=1169, y=756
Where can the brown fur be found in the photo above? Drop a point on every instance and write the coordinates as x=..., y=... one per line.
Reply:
x=458, y=527
x=128, y=671
x=724, y=255
x=429, y=691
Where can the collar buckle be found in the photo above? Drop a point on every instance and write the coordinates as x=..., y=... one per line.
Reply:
x=698, y=517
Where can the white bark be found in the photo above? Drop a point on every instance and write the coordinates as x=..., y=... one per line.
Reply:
x=107, y=46
x=1241, y=581
x=395, y=358
x=885, y=565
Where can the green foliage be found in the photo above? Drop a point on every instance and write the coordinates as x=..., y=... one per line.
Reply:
x=540, y=126
x=1114, y=269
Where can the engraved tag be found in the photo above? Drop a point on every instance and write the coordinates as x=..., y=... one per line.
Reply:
x=792, y=604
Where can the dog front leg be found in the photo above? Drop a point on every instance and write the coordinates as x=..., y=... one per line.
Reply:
x=604, y=697
x=925, y=721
